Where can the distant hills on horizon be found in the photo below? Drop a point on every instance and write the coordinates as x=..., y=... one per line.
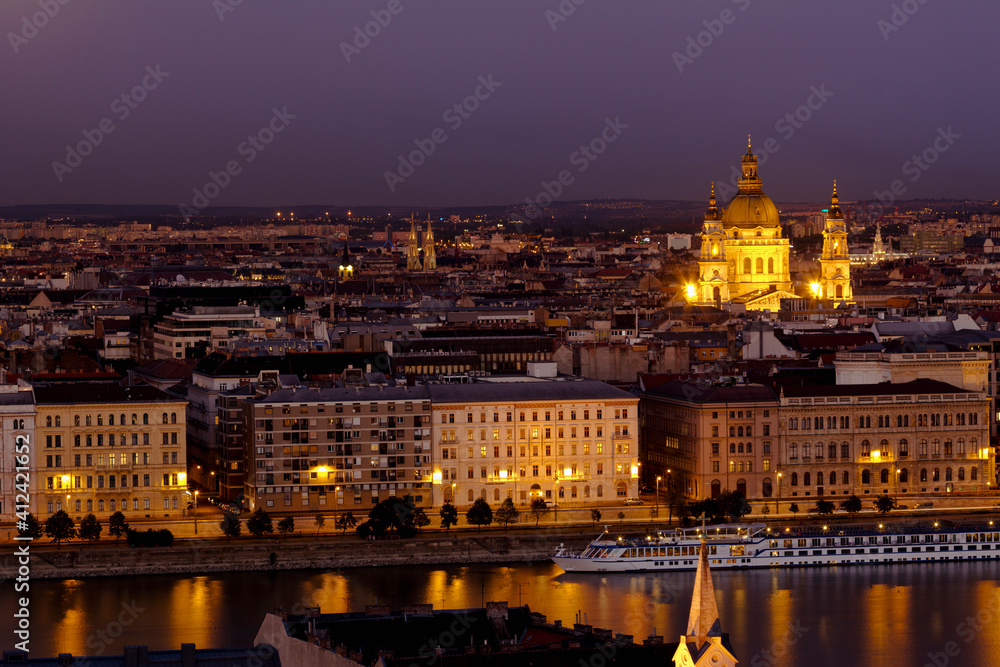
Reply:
x=600, y=209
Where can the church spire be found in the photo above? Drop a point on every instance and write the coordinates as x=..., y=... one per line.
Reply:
x=750, y=181
x=413, y=248
x=430, y=256
x=704, y=643
x=703, y=621
x=713, y=208
x=835, y=211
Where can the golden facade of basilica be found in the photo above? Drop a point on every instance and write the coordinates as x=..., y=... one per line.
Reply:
x=744, y=255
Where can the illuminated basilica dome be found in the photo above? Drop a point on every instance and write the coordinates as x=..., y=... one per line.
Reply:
x=744, y=256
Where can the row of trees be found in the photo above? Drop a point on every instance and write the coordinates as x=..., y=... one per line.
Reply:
x=60, y=526
x=399, y=516
x=852, y=505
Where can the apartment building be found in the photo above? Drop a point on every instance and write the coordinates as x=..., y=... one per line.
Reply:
x=341, y=448
x=17, y=425
x=704, y=438
x=568, y=441
x=214, y=327
x=916, y=437
x=102, y=447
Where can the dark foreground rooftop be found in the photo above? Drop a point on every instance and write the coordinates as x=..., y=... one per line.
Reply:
x=140, y=656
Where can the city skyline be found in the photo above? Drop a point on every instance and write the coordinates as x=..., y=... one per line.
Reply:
x=457, y=105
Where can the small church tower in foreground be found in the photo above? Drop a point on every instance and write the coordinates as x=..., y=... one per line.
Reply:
x=705, y=644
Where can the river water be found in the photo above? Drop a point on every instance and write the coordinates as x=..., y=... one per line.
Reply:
x=867, y=615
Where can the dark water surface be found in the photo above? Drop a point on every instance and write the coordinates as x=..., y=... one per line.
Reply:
x=867, y=615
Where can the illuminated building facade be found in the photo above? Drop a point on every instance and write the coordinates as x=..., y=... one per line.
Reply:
x=102, y=448
x=569, y=442
x=835, y=262
x=918, y=437
x=744, y=255
x=338, y=449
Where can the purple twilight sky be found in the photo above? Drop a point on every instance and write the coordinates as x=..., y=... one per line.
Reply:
x=686, y=82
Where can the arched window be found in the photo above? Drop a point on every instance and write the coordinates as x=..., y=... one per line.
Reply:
x=746, y=265
x=936, y=475
x=832, y=450
x=866, y=448
x=760, y=265
x=961, y=474
x=739, y=431
x=974, y=474
x=48, y=421
x=806, y=479
x=806, y=450
x=947, y=474
x=572, y=492
x=496, y=494
x=164, y=417
x=472, y=495
x=770, y=265
x=741, y=486
x=883, y=447
x=819, y=479
x=961, y=446
x=947, y=447
x=586, y=491
x=904, y=447
x=76, y=420
x=88, y=420
x=923, y=474
x=173, y=417
x=839, y=291
x=845, y=478
x=884, y=476
x=732, y=431
x=716, y=484
x=600, y=490
x=793, y=451
x=833, y=477
x=795, y=479
x=767, y=487
x=845, y=450
x=904, y=476
x=866, y=477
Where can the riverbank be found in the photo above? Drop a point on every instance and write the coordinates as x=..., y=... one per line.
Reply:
x=203, y=557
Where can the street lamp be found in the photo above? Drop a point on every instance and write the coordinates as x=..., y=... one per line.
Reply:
x=670, y=497
x=778, y=498
x=195, y=512
x=657, y=500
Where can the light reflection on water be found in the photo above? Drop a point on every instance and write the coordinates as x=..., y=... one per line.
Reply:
x=859, y=616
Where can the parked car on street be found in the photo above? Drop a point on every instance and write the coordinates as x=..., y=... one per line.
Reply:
x=633, y=501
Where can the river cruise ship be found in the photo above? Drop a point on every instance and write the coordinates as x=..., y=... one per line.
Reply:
x=757, y=545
